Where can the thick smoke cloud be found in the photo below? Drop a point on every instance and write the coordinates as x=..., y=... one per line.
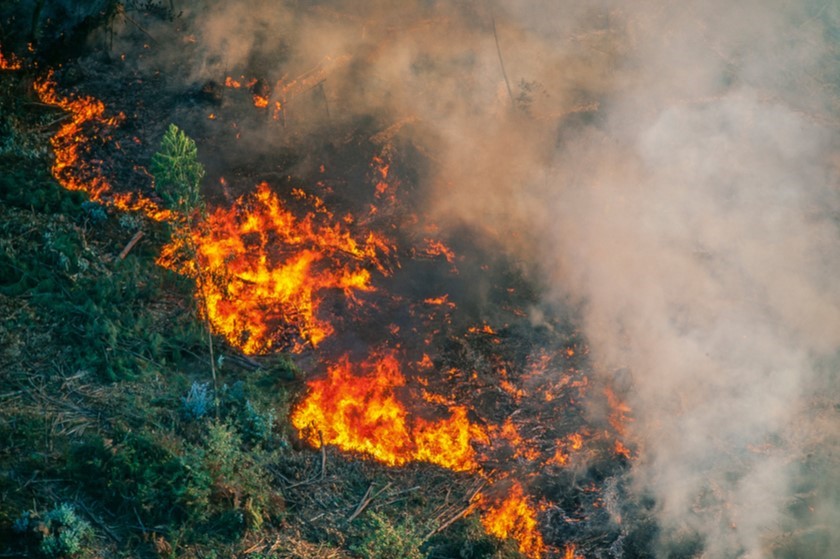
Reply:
x=669, y=168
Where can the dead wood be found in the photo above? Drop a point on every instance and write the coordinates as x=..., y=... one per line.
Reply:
x=134, y=240
x=366, y=500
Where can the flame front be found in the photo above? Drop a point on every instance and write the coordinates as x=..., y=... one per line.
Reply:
x=261, y=270
x=361, y=411
x=73, y=171
x=515, y=517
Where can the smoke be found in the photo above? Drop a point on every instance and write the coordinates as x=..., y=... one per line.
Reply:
x=694, y=218
x=670, y=169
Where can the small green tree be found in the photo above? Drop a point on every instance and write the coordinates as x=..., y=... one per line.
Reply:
x=178, y=173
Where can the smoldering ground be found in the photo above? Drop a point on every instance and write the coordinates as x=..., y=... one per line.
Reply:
x=669, y=170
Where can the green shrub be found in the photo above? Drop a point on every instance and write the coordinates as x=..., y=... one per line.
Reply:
x=61, y=533
x=66, y=534
x=385, y=540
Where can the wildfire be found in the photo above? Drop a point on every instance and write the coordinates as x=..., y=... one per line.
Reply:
x=261, y=269
x=359, y=409
x=71, y=141
x=514, y=517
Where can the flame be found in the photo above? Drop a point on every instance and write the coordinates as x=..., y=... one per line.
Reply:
x=619, y=411
x=10, y=63
x=437, y=248
x=622, y=450
x=515, y=517
x=260, y=269
x=70, y=169
x=521, y=448
x=358, y=408
x=230, y=82
x=260, y=101
x=570, y=552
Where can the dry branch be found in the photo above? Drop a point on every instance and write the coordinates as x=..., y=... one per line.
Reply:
x=134, y=240
x=366, y=500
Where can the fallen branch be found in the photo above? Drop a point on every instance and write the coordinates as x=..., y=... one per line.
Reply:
x=134, y=240
x=366, y=500
x=472, y=503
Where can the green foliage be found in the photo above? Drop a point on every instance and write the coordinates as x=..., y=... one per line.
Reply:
x=386, y=540
x=106, y=315
x=213, y=485
x=60, y=533
x=152, y=474
x=466, y=539
x=178, y=172
x=66, y=534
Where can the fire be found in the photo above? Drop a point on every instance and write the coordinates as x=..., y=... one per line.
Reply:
x=622, y=450
x=515, y=517
x=576, y=441
x=521, y=447
x=570, y=552
x=261, y=269
x=72, y=140
x=263, y=272
x=437, y=248
x=10, y=63
x=260, y=102
x=619, y=411
x=359, y=409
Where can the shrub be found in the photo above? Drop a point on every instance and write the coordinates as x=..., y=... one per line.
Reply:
x=385, y=540
x=62, y=533
x=197, y=403
x=66, y=533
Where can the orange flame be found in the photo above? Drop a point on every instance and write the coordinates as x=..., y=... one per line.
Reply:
x=71, y=141
x=261, y=269
x=260, y=101
x=358, y=409
x=619, y=411
x=622, y=450
x=10, y=63
x=570, y=552
x=437, y=248
x=515, y=517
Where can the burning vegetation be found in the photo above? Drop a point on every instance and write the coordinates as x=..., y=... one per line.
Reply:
x=264, y=268
x=391, y=385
